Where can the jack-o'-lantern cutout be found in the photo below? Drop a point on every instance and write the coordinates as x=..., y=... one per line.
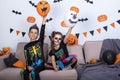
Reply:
x=31, y=19
x=71, y=17
x=117, y=59
x=72, y=40
x=43, y=8
x=102, y=18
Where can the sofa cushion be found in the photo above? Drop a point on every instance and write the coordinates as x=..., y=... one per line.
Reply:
x=77, y=50
x=58, y=75
x=10, y=60
x=10, y=73
x=92, y=50
x=20, y=64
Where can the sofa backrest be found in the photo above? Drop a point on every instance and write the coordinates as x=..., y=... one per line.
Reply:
x=20, y=50
x=78, y=51
x=92, y=50
x=74, y=49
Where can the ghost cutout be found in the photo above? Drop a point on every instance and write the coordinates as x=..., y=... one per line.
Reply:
x=71, y=17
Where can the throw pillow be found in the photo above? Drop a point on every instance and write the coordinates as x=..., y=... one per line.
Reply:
x=10, y=60
x=20, y=64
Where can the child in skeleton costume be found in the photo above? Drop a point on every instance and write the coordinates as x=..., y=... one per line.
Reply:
x=60, y=57
x=33, y=52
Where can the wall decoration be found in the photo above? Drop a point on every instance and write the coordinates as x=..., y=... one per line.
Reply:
x=47, y=20
x=16, y=12
x=88, y=1
x=83, y=19
x=17, y=32
x=55, y=1
x=113, y=24
x=23, y=34
x=92, y=32
x=99, y=30
x=118, y=11
x=102, y=18
x=31, y=19
x=85, y=34
x=33, y=4
x=71, y=17
x=11, y=30
x=105, y=28
x=43, y=8
x=118, y=21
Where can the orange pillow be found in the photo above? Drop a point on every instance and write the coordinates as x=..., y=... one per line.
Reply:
x=20, y=64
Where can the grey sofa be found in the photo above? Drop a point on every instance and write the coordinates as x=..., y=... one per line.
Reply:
x=12, y=73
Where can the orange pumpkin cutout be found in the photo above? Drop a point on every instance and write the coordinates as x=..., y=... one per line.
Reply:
x=117, y=59
x=43, y=8
x=72, y=40
x=102, y=18
x=31, y=19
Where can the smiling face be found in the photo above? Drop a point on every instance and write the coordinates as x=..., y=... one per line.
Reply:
x=43, y=8
x=33, y=34
x=71, y=18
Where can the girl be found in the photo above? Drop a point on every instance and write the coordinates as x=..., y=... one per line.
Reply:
x=59, y=54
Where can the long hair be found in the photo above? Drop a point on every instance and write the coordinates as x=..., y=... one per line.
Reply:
x=52, y=41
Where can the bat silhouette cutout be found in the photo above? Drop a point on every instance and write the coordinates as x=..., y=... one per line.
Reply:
x=83, y=19
x=47, y=20
x=33, y=4
x=118, y=11
x=88, y=1
x=55, y=1
x=16, y=12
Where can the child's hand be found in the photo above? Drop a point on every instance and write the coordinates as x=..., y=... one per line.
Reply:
x=30, y=68
x=56, y=69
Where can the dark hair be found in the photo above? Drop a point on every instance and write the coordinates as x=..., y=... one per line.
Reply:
x=52, y=36
x=34, y=27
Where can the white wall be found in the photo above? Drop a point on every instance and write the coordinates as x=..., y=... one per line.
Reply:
x=91, y=11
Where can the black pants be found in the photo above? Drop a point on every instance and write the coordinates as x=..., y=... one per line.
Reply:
x=34, y=73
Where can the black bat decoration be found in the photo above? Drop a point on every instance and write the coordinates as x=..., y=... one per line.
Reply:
x=47, y=20
x=55, y=1
x=83, y=19
x=118, y=11
x=88, y=1
x=16, y=12
x=33, y=4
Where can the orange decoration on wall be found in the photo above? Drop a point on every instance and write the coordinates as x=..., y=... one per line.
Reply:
x=85, y=34
x=63, y=24
x=31, y=19
x=99, y=30
x=113, y=25
x=43, y=8
x=102, y=18
x=72, y=40
x=17, y=32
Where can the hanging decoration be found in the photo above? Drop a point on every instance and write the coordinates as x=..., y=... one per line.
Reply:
x=102, y=18
x=33, y=4
x=31, y=19
x=43, y=8
x=55, y=1
x=88, y=1
x=71, y=17
x=16, y=12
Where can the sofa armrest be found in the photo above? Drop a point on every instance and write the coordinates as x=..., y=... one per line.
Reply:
x=2, y=64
